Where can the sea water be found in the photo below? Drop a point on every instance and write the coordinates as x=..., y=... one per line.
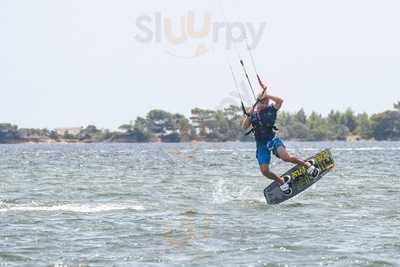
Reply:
x=194, y=205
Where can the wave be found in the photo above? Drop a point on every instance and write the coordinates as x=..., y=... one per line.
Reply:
x=374, y=148
x=190, y=212
x=367, y=149
x=222, y=150
x=85, y=208
x=225, y=192
x=347, y=149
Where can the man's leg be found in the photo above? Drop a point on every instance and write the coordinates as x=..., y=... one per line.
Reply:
x=264, y=168
x=263, y=155
x=285, y=156
x=264, y=159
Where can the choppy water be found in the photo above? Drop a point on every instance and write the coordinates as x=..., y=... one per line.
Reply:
x=194, y=205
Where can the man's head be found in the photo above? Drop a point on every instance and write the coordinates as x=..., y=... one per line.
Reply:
x=263, y=98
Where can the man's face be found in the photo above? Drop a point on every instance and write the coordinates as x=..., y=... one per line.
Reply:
x=264, y=102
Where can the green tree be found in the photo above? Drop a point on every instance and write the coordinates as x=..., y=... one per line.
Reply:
x=141, y=132
x=169, y=127
x=44, y=132
x=68, y=136
x=363, y=129
x=338, y=132
x=91, y=130
x=298, y=131
x=233, y=115
x=349, y=120
x=54, y=135
x=300, y=117
x=8, y=133
x=318, y=127
x=386, y=125
x=397, y=105
x=134, y=132
x=141, y=124
x=92, y=134
x=159, y=121
x=334, y=117
x=184, y=127
x=127, y=128
x=283, y=121
x=203, y=121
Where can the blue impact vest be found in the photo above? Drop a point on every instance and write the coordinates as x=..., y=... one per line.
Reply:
x=263, y=123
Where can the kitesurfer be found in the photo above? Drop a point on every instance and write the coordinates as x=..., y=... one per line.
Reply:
x=262, y=118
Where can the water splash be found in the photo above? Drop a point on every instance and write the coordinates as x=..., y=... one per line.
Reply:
x=78, y=208
x=225, y=191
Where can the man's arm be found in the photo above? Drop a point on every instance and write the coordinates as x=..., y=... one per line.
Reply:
x=277, y=101
x=246, y=123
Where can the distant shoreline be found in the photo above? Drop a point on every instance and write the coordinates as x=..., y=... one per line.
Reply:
x=218, y=126
x=65, y=142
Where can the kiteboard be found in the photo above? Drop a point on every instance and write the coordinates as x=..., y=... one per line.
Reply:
x=300, y=178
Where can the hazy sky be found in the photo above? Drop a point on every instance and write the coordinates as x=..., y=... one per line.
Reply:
x=72, y=63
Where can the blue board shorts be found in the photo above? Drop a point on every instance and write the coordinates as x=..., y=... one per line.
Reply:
x=264, y=150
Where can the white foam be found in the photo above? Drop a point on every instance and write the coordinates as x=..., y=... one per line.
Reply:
x=218, y=150
x=228, y=192
x=85, y=208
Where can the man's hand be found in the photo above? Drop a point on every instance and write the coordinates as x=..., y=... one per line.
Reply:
x=246, y=123
x=250, y=111
x=277, y=101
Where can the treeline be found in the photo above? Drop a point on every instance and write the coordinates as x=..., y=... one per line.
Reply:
x=221, y=126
